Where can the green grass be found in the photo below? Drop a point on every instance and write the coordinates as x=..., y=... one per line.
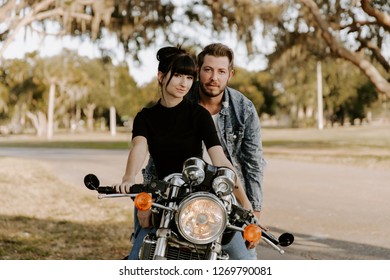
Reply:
x=345, y=138
x=367, y=146
x=67, y=141
x=68, y=145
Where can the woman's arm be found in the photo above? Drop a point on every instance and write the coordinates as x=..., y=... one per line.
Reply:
x=135, y=160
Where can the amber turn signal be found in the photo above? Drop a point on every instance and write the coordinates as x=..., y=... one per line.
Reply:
x=252, y=233
x=143, y=201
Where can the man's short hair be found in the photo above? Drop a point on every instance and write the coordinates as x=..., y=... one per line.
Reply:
x=217, y=50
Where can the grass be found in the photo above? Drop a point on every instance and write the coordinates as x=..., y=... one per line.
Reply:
x=27, y=238
x=43, y=218
x=65, y=141
x=367, y=146
x=341, y=137
x=67, y=145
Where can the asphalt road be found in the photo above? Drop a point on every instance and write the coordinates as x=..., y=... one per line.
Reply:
x=335, y=212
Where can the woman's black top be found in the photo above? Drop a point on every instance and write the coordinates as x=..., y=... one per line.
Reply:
x=175, y=134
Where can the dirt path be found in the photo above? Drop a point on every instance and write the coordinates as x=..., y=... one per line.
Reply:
x=334, y=211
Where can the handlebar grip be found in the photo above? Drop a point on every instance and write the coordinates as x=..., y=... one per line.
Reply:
x=106, y=190
x=154, y=187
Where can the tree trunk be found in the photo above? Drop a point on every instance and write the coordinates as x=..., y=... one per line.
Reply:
x=89, y=113
x=50, y=110
x=319, y=97
x=39, y=122
x=113, y=121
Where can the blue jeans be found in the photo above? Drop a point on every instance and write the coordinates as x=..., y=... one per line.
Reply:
x=237, y=250
x=137, y=244
x=139, y=235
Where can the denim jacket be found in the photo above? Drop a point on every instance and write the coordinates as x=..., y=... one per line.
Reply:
x=240, y=130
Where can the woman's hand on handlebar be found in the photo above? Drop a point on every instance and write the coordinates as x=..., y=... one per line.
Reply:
x=123, y=187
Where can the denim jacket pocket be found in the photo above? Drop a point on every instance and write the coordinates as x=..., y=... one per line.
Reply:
x=234, y=140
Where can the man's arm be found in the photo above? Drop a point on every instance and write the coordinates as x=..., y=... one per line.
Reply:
x=253, y=162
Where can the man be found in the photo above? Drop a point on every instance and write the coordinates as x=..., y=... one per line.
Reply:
x=237, y=123
x=236, y=118
x=239, y=130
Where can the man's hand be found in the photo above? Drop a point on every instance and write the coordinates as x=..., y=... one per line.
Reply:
x=251, y=245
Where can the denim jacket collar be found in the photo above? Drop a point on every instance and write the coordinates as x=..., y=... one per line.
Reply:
x=225, y=102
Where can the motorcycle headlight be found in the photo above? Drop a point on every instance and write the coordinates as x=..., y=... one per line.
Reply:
x=201, y=218
x=193, y=170
x=224, y=181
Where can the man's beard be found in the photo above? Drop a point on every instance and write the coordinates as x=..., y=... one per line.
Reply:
x=208, y=93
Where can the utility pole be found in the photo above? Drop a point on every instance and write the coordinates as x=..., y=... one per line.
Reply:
x=319, y=97
x=50, y=110
x=112, y=107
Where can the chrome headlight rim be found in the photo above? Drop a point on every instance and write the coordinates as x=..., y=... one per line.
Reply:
x=194, y=198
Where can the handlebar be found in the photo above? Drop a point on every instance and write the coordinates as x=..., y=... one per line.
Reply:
x=158, y=186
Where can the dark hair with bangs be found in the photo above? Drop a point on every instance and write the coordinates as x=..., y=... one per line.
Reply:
x=177, y=61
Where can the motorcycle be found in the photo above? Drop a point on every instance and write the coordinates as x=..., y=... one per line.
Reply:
x=195, y=213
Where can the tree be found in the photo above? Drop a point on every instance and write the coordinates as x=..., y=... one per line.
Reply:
x=284, y=31
x=356, y=31
x=258, y=87
x=369, y=24
x=53, y=92
x=133, y=21
x=347, y=92
x=24, y=90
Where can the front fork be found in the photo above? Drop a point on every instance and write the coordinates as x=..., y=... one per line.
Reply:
x=164, y=231
x=216, y=249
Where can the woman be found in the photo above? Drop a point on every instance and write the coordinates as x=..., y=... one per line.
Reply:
x=173, y=129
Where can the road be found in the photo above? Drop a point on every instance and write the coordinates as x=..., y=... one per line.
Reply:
x=335, y=212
